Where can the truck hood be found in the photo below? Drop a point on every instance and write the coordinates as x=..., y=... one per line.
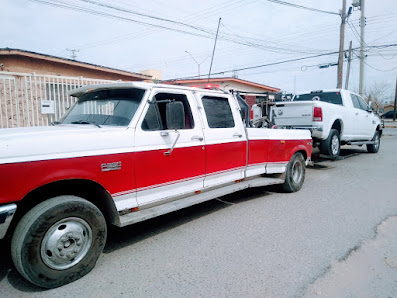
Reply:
x=62, y=141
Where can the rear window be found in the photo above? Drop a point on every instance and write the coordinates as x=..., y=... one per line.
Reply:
x=330, y=97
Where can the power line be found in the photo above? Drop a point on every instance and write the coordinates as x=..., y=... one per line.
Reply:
x=381, y=70
x=302, y=7
x=268, y=48
x=283, y=62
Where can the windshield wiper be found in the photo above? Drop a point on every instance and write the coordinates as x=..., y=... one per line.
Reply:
x=85, y=122
x=55, y=123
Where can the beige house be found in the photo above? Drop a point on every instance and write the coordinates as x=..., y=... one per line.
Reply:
x=33, y=86
x=14, y=60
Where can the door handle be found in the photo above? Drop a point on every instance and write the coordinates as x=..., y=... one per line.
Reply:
x=356, y=113
x=198, y=138
x=237, y=135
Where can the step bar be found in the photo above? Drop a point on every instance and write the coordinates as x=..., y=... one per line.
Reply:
x=193, y=199
x=360, y=143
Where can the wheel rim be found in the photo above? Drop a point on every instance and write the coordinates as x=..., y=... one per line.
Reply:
x=297, y=172
x=335, y=145
x=377, y=141
x=66, y=243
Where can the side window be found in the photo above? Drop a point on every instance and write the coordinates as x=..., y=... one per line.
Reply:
x=363, y=104
x=152, y=119
x=219, y=114
x=155, y=118
x=356, y=104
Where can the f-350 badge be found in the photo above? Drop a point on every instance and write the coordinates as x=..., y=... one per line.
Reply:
x=111, y=166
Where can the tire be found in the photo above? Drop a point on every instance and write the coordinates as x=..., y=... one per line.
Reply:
x=331, y=146
x=374, y=148
x=58, y=241
x=295, y=173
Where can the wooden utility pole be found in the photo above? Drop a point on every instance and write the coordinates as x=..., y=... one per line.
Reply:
x=362, y=42
x=348, y=66
x=395, y=103
x=341, y=46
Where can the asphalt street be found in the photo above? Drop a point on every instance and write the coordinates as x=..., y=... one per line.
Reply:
x=256, y=243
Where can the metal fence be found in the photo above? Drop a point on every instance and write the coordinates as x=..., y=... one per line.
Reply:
x=22, y=96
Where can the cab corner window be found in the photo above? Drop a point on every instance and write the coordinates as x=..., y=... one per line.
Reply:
x=218, y=112
x=156, y=115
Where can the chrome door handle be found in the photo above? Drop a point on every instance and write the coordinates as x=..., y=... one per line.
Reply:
x=356, y=113
x=199, y=138
x=237, y=135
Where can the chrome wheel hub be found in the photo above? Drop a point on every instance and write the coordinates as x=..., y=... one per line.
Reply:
x=66, y=243
x=377, y=141
x=335, y=145
x=297, y=171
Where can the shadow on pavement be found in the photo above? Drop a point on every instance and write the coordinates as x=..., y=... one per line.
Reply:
x=122, y=237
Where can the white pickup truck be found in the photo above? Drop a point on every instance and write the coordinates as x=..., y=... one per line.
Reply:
x=125, y=153
x=334, y=117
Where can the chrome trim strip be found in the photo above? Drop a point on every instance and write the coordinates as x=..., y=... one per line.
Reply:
x=6, y=214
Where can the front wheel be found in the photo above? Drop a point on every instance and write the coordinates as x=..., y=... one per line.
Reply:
x=58, y=241
x=295, y=173
x=374, y=148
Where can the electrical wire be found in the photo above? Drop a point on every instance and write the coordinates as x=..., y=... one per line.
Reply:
x=284, y=61
x=302, y=7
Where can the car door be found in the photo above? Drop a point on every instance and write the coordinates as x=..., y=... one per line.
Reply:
x=369, y=124
x=225, y=139
x=163, y=174
x=360, y=119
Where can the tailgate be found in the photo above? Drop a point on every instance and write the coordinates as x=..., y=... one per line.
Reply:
x=291, y=113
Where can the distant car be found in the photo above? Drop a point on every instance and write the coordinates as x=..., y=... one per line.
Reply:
x=387, y=115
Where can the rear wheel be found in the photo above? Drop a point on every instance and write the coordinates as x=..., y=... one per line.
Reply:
x=295, y=173
x=331, y=146
x=374, y=148
x=58, y=241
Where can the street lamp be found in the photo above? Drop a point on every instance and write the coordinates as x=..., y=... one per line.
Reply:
x=198, y=64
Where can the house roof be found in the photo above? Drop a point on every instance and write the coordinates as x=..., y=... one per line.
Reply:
x=217, y=80
x=19, y=52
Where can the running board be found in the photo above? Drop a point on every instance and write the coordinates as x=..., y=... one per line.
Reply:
x=194, y=199
x=361, y=143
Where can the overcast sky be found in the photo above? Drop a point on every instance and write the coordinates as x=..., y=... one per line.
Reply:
x=252, y=33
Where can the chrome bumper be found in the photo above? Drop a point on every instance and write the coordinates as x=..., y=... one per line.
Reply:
x=6, y=214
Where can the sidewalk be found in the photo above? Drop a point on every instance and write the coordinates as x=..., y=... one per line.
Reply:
x=369, y=270
x=389, y=123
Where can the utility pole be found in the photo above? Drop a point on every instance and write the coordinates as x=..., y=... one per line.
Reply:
x=341, y=46
x=362, y=57
x=349, y=59
x=73, y=55
x=213, y=52
x=395, y=103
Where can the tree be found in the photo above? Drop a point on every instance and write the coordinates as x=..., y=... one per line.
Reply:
x=379, y=93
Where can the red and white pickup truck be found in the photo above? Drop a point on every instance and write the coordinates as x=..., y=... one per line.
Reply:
x=125, y=153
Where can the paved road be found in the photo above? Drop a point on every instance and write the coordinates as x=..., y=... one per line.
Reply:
x=260, y=243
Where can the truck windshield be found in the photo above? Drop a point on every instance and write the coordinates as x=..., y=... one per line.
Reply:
x=114, y=107
x=330, y=97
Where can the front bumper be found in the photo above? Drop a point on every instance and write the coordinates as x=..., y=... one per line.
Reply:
x=6, y=214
